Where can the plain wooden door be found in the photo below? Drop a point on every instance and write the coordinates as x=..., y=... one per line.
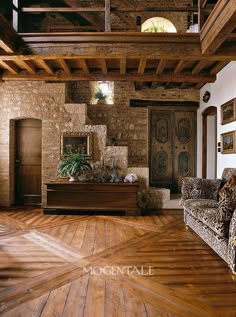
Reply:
x=172, y=147
x=28, y=153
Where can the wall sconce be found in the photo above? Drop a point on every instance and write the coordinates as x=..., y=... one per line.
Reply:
x=206, y=97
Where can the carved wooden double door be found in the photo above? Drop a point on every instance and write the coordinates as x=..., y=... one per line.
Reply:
x=172, y=147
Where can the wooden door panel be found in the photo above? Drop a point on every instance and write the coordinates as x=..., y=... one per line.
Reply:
x=28, y=161
x=184, y=144
x=161, y=148
x=172, y=147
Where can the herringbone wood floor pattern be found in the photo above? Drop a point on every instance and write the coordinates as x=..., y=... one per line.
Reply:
x=62, y=266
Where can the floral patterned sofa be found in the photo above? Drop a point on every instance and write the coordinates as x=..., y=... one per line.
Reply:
x=214, y=221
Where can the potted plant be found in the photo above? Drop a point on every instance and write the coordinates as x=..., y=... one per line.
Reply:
x=100, y=95
x=73, y=164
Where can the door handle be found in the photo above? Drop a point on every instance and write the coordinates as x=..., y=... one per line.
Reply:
x=18, y=161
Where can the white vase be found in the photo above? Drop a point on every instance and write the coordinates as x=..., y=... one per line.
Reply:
x=73, y=178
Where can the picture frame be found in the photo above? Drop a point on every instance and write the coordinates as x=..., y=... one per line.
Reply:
x=77, y=142
x=228, y=142
x=228, y=111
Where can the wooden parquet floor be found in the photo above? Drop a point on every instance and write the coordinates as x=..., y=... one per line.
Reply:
x=95, y=266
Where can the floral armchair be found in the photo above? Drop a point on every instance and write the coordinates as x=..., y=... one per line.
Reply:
x=214, y=221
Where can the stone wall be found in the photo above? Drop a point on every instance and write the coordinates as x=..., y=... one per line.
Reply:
x=46, y=101
x=127, y=126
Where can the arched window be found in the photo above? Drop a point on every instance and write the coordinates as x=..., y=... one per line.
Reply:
x=158, y=24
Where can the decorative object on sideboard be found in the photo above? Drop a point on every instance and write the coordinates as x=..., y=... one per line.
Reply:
x=72, y=165
x=114, y=175
x=131, y=178
x=228, y=111
x=206, y=97
x=99, y=173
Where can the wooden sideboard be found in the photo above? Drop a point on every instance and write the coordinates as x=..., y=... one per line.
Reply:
x=82, y=196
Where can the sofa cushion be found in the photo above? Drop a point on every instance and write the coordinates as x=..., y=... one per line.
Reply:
x=207, y=212
x=227, y=203
x=201, y=203
x=193, y=188
x=222, y=184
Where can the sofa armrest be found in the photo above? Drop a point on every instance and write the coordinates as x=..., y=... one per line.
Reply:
x=232, y=243
x=194, y=188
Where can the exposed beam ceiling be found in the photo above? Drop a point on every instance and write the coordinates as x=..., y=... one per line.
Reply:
x=184, y=60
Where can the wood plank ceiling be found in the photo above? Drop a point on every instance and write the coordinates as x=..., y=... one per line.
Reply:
x=184, y=60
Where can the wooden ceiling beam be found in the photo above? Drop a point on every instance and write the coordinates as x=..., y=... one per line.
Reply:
x=179, y=67
x=122, y=65
x=84, y=66
x=160, y=67
x=71, y=28
x=141, y=69
x=44, y=64
x=112, y=9
x=142, y=65
x=199, y=85
x=64, y=66
x=120, y=56
x=217, y=67
x=112, y=76
x=141, y=9
x=13, y=69
x=89, y=16
x=199, y=66
x=103, y=66
x=116, y=37
x=28, y=65
x=61, y=9
x=219, y=25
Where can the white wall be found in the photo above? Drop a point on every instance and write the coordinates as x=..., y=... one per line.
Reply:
x=222, y=90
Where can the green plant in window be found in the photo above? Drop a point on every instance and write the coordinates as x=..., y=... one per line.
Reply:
x=100, y=95
x=155, y=28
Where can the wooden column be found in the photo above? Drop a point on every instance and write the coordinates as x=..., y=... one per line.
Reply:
x=15, y=14
x=107, y=15
x=200, y=15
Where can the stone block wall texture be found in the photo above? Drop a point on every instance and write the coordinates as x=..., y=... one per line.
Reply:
x=127, y=126
x=116, y=124
x=46, y=102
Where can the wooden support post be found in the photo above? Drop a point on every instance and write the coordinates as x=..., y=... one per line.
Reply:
x=15, y=14
x=107, y=15
x=200, y=15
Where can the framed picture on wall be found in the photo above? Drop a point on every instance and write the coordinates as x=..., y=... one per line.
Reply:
x=228, y=111
x=77, y=142
x=228, y=141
